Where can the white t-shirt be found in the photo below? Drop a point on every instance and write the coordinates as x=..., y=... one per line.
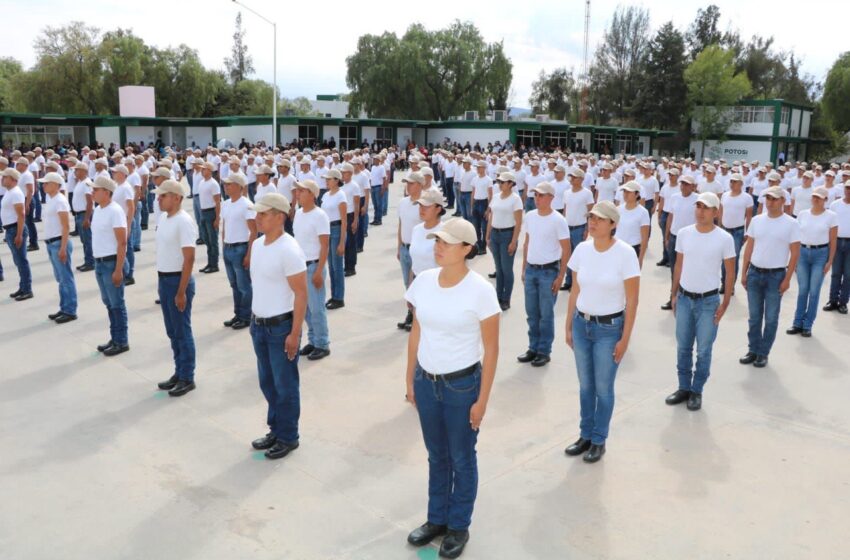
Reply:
x=207, y=191
x=606, y=189
x=814, y=230
x=532, y=181
x=55, y=205
x=331, y=202
x=758, y=185
x=308, y=226
x=264, y=190
x=502, y=210
x=576, y=206
x=601, y=276
x=773, y=238
x=13, y=196
x=422, y=248
x=172, y=235
x=377, y=175
x=802, y=198
x=408, y=216
x=481, y=187
x=450, y=320
x=544, y=236
x=682, y=209
x=628, y=229
x=712, y=187
x=704, y=255
x=351, y=190
x=105, y=220
x=648, y=187
x=560, y=188
x=735, y=209
x=841, y=209
x=235, y=216
x=271, y=266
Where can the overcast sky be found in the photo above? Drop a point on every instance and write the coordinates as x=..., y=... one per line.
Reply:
x=314, y=39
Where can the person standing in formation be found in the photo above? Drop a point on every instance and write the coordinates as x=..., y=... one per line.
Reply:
x=125, y=197
x=209, y=192
x=14, y=215
x=57, y=219
x=481, y=192
x=634, y=224
x=577, y=202
x=238, y=232
x=354, y=196
x=670, y=188
x=736, y=211
x=839, y=287
x=83, y=206
x=681, y=215
x=408, y=217
x=503, y=231
x=335, y=205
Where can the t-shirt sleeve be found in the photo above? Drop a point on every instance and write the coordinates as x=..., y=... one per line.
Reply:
x=294, y=260
x=753, y=230
x=487, y=303
x=215, y=189
x=63, y=206
x=645, y=220
x=728, y=247
x=794, y=233
x=118, y=220
x=517, y=204
x=323, y=224
x=188, y=232
x=575, y=259
x=412, y=290
x=630, y=264
x=681, y=241
x=250, y=213
x=563, y=228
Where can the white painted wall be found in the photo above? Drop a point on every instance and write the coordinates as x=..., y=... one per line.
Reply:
x=734, y=149
x=251, y=133
x=807, y=121
x=403, y=135
x=330, y=130
x=139, y=134
x=288, y=132
x=107, y=134
x=369, y=133
x=471, y=135
x=200, y=135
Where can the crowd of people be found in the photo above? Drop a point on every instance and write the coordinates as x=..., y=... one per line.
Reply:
x=289, y=228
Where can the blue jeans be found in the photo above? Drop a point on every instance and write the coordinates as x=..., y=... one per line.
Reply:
x=136, y=232
x=351, y=244
x=252, y=190
x=540, y=308
x=479, y=210
x=385, y=202
x=30, y=219
x=443, y=408
x=210, y=236
x=530, y=204
x=19, y=257
x=665, y=215
x=64, y=275
x=178, y=326
x=196, y=208
x=36, y=203
x=809, y=281
x=362, y=230
x=465, y=205
x=129, y=260
x=763, y=299
x=377, y=203
x=406, y=265
x=593, y=346
x=336, y=264
x=738, y=237
x=113, y=299
x=695, y=323
x=316, y=318
x=576, y=237
x=239, y=278
x=671, y=254
x=499, y=241
x=449, y=190
x=85, y=239
x=278, y=380
x=839, y=286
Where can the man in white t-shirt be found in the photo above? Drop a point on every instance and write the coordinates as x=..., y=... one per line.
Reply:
x=606, y=185
x=209, y=193
x=13, y=216
x=671, y=187
x=175, y=256
x=378, y=181
x=83, y=205
x=801, y=196
x=238, y=231
x=702, y=248
x=736, y=211
x=770, y=258
x=545, y=252
x=57, y=220
x=577, y=202
x=279, y=304
x=839, y=286
x=681, y=210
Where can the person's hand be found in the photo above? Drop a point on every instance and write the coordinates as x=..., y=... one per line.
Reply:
x=556, y=285
x=569, y=336
x=721, y=310
x=180, y=301
x=398, y=254
x=318, y=279
x=673, y=300
x=522, y=277
x=215, y=223
x=353, y=226
x=246, y=262
x=826, y=268
x=620, y=350
x=86, y=224
x=410, y=396
x=63, y=255
x=783, y=287
x=744, y=279
x=340, y=250
x=512, y=247
x=117, y=277
x=19, y=239
x=290, y=345
x=476, y=414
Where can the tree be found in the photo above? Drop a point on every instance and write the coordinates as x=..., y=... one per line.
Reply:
x=714, y=86
x=239, y=65
x=703, y=30
x=836, y=92
x=126, y=62
x=555, y=94
x=661, y=93
x=10, y=70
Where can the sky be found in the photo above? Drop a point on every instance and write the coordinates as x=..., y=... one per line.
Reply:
x=312, y=45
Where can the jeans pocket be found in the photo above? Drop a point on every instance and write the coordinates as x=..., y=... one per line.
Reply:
x=466, y=384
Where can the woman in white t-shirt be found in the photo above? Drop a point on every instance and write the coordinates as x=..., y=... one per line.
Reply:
x=818, y=241
x=634, y=224
x=408, y=217
x=335, y=204
x=503, y=229
x=600, y=316
x=57, y=219
x=431, y=209
x=451, y=364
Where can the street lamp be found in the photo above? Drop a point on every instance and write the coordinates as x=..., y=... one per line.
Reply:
x=274, y=75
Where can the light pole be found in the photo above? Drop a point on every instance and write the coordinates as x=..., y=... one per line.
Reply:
x=274, y=71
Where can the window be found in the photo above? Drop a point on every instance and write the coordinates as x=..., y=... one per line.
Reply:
x=554, y=138
x=384, y=136
x=602, y=143
x=785, y=116
x=530, y=138
x=624, y=144
x=746, y=114
x=308, y=133
x=347, y=137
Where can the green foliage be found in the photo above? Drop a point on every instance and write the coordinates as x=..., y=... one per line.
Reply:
x=662, y=93
x=555, y=94
x=10, y=69
x=240, y=64
x=836, y=94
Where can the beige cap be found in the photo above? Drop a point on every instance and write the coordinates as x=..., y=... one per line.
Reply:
x=507, y=176
x=170, y=186
x=237, y=178
x=544, y=187
x=161, y=172
x=13, y=173
x=689, y=179
x=736, y=177
x=673, y=171
x=846, y=184
x=285, y=163
x=773, y=192
x=808, y=175
x=414, y=177
x=52, y=178
x=709, y=199
x=774, y=176
x=103, y=182
x=480, y=163
x=233, y=159
x=607, y=167
x=629, y=172
x=631, y=186
x=22, y=161
x=534, y=163
x=821, y=192
x=81, y=165
x=4, y=161
x=830, y=173
x=346, y=168
x=264, y=170
x=427, y=172
x=101, y=161
x=209, y=165
x=272, y=201
x=606, y=210
x=333, y=174
x=454, y=231
x=431, y=198
x=309, y=185
x=577, y=173
x=122, y=169
x=710, y=169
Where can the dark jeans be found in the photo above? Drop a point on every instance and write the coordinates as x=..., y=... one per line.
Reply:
x=113, y=299
x=19, y=257
x=449, y=190
x=239, y=278
x=85, y=238
x=839, y=286
x=540, y=308
x=351, y=246
x=663, y=217
x=210, y=236
x=278, y=380
x=443, y=408
x=178, y=325
x=764, y=300
x=576, y=237
x=479, y=210
x=377, y=203
x=30, y=222
x=465, y=205
x=809, y=281
x=738, y=237
x=671, y=256
x=336, y=265
x=499, y=241
x=695, y=323
x=63, y=273
x=362, y=226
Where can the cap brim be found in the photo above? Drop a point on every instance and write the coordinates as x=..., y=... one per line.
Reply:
x=445, y=236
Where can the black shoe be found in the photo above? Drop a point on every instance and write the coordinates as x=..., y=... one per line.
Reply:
x=806, y=333
x=408, y=321
x=334, y=304
x=264, y=442
x=580, y=446
x=565, y=288
x=280, y=450
x=230, y=322
x=65, y=318
x=116, y=349
x=842, y=309
x=239, y=324
x=678, y=397
x=307, y=350
x=105, y=347
x=204, y=269
x=168, y=385
x=662, y=262
x=137, y=249
x=144, y=228
x=33, y=248
x=831, y=306
x=761, y=361
x=210, y=269
x=182, y=388
x=318, y=354
x=199, y=242
x=491, y=275
x=348, y=273
x=456, y=214
x=529, y=356
x=426, y=533
x=667, y=306
x=482, y=250
x=794, y=330
x=85, y=268
x=360, y=250
x=23, y=296
x=748, y=358
x=540, y=360
x=13, y=295
x=504, y=305
x=453, y=543
x=129, y=281
x=594, y=453
x=695, y=402
x=53, y=316
x=156, y=302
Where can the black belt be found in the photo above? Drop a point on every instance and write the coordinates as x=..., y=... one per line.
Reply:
x=314, y=261
x=816, y=246
x=272, y=321
x=553, y=264
x=600, y=319
x=336, y=223
x=110, y=258
x=53, y=239
x=453, y=375
x=734, y=228
x=406, y=245
x=574, y=227
x=207, y=209
x=766, y=270
x=503, y=228
x=239, y=244
x=693, y=295
x=169, y=274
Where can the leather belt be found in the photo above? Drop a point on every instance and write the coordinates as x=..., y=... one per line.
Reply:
x=168, y=274
x=314, y=261
x=576, y=227
x=553, y=264
x=272, y=321
x=503, y=229
x=453, y=375
x=53, y=239
x=693, y=295
x=766, y=270
x=600, y=319
x=406, y=245
x=730, y=230
x=208, y=209
x=238, y=244
x=816, y=246
x=336, y=223
x=109, y=258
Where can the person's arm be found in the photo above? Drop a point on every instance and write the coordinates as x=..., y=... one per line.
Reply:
x=833, y=244
x=343, y=228
x=517, y=228
x=121, y=239
x=489, y=228
x=252, y=235
x=131, y=212
x=792, y=266
x=745, y=265
x=365, y=206
x=398, y=241
x=667, y=229
x=728, y=286
x=587, y=229
x=644, y=242
x=89, y=210
x=566, y=251
x=354, y=222
x=298, y=285
x=632, y=289
x=571, y=308
x=217, y=199
x=19, y=232
x=412, y=350
x=524, y=255
x=677, y=276
x=64, y=218
x=318, y=276
x=748, y=215
x=185, y=276
x=490, y=340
